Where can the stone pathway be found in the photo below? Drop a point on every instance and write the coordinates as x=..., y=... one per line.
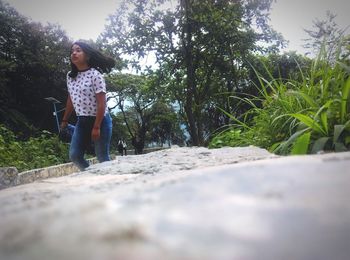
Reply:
x=185, y=203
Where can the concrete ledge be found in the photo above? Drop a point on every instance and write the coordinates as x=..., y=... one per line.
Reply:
x=44, y=173
x=8, y=176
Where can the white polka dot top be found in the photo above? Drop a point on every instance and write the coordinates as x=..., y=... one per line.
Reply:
x=83, y=90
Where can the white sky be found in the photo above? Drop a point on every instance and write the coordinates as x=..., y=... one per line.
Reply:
x=290, y=17
x=85, y=19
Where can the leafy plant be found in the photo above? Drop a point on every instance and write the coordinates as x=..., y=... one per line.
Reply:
x=298, y=116
x=36, y=152
x=325, y=113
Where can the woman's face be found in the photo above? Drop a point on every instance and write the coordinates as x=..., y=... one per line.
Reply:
x=78, y=56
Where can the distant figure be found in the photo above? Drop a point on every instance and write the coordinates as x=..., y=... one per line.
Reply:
x=87, y=97
x=124, y=147
x=120, y=147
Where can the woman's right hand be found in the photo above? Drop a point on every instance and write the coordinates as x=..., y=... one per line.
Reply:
x=63, y=125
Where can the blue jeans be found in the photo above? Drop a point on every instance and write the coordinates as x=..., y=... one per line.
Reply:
x=81, y=140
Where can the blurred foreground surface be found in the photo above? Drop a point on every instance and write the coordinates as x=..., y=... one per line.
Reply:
x=185, y=203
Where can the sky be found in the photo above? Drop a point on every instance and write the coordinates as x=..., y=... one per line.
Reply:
x=85, y=19
x=291, y=17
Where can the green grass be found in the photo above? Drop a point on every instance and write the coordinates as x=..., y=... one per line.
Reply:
x=298, y=116
x=36, y=152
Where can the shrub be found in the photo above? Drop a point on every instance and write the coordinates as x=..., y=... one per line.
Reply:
x=297, y=117
x=36, y=152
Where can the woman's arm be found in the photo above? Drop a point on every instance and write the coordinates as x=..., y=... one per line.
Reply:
x=101, y=107
x=67, y=112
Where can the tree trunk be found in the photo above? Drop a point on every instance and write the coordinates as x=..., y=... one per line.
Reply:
x=190, y=71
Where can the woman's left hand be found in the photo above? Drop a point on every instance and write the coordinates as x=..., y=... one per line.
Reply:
x=95, y=134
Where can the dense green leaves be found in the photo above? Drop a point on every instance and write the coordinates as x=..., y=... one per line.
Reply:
x=200, y=49
x=33, y=65
x=36, y=152
x=209, y=76
x=301, y=145
x=145, y=111
x=309, y=115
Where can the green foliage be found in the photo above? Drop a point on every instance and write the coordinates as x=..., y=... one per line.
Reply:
x=299, y=116
x=33, y=65
x=301, y=145
x=36, y=152
x=144, y=109
x=232, y=137
x=163, y=125
x=119, y=131
x=199, y=49
x=325, y=109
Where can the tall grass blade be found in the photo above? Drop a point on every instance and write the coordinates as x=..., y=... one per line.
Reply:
x=245, y=100
x=308, y=121
x=301, y=144
x=284, y=146
x=324, y=121
x=338, y=130
x=344, y=100
x=320, y=144
x=340, y=147
x=262, y=90
x=344, y=66
x=233, y=118
x=306, y=97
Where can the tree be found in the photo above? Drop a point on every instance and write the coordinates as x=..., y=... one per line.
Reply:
x=164, y=126
x=134, y=97
x=274, y=67
x=33, y=63
x=199, y=47
x=148, y=116
x=119, y=130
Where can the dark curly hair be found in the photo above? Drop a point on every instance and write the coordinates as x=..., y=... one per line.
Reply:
x=96, y=59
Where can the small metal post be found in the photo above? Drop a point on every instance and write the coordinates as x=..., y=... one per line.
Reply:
x=58, y=125
x=54, y=101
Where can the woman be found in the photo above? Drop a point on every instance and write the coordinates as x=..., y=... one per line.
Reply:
x=87, y=97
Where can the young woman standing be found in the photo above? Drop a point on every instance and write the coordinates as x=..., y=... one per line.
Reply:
x=87, y=97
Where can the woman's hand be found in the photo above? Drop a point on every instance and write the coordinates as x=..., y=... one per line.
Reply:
x=95, y=133
x=63, y=125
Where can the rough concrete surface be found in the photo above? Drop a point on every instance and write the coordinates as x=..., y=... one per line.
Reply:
x=185, y=203
x=8, y=177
